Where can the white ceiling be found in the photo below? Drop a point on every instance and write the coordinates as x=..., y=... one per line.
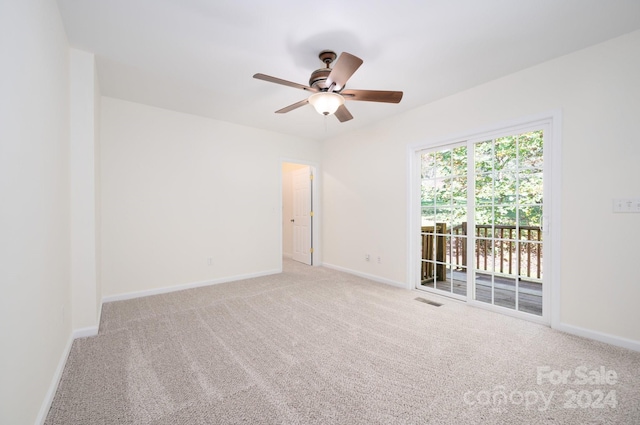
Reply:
x=199, y=56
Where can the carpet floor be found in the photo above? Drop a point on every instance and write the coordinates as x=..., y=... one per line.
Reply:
x=317, y=346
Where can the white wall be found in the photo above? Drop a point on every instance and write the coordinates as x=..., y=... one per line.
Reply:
x=35, y=295
x=178, y=189
x=598, y=91
x=84, y=97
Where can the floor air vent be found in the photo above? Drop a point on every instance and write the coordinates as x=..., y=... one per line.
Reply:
x=426, y=301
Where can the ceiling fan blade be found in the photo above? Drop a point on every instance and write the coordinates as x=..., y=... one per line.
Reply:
x=283, y=82
x=373, y=95
x=342, y=70
x=343, y=114
x=292, y=107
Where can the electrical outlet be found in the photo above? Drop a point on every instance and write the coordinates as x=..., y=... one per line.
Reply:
x=379, y=260
x=367, y=257
x=209, y=261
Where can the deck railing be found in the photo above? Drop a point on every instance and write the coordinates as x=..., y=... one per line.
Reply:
x=506, y=250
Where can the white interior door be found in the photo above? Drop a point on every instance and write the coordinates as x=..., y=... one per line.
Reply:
x=302, y=215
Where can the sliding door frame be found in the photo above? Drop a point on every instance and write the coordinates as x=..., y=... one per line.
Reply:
x=550, y=122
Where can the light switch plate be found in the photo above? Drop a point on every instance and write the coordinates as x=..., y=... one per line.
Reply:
x=626, y=205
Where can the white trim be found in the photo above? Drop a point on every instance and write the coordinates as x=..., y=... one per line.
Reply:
x=84, y=332
x=555, y=233
x=413, y=223
x=598, y=336
x=53, y=387
x=168, y=289
x=442, y=298
x=281, y=206
x=448, y=295
x=367, y=276
x=508, y=312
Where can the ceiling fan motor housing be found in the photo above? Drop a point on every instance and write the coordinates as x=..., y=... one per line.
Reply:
x=319, y=76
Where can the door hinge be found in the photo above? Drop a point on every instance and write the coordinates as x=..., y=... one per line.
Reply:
x=311, y=213
x=311, y=250
x=310, y=176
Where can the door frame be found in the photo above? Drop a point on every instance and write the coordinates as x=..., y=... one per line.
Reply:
x=315, y=206
x=552, y=158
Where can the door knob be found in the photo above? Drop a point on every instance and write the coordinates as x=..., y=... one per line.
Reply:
x=292, y=220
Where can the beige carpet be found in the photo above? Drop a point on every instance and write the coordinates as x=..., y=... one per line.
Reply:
x=316, y=346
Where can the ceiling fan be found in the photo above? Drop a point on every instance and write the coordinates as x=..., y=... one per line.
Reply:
x=327, y=86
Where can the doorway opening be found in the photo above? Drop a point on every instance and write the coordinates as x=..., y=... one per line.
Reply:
x=297, y=212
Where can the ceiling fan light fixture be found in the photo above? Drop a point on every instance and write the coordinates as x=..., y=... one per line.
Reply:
x=326, y=103
x=327, y=84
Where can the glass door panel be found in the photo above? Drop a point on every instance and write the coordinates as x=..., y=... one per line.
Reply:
x=444, y=220
x=508, y=204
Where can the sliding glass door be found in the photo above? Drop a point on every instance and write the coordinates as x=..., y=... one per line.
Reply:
x=481, y=221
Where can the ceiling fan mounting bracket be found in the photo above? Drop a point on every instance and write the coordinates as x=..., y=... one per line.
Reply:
x=327, y=56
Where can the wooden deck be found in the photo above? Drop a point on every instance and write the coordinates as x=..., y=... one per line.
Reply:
x=529, y=293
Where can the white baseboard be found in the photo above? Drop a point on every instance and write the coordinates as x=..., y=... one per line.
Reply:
x=85, y=332
x=599, y=336
x=168, y=289
x=366, y=275
x=48, y=399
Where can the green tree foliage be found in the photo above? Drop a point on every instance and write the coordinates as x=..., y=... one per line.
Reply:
x=508, y=182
